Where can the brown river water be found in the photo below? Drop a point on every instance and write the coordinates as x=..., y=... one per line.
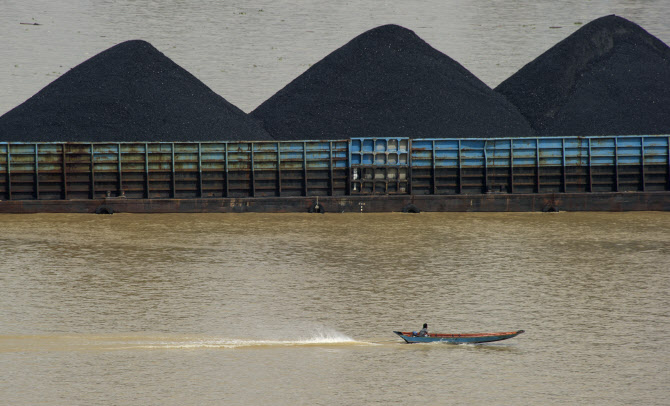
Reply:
x=292, y=309
x=299, y=309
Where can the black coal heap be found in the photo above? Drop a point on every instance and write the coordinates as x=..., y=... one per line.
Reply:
x=610, y=77
x=130, y=92
x=388, y=82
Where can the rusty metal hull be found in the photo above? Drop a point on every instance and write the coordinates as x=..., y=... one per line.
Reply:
x=614, y=173
x=498, y=202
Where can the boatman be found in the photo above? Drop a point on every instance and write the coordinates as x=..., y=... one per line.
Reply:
x=424, y=331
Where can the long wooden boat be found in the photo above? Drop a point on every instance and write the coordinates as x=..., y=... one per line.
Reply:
x=476, y=338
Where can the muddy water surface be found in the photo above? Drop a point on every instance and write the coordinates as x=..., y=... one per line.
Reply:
x=299, y=309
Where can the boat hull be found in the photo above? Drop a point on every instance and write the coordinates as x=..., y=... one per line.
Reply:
x=458, y=338
x=609, y=173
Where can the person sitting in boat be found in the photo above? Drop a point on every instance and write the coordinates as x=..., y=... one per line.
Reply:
x=423, y=332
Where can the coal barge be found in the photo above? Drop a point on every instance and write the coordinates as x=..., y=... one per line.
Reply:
x=615, y=173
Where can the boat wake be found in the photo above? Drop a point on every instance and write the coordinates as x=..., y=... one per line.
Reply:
x=112, y=342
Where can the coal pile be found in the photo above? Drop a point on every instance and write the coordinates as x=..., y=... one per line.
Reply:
x=610, y=77
x=388, y=82
x=130, y=92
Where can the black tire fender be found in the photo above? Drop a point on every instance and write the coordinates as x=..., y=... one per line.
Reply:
x=317, y=208
x=550, y=208
x=410, y=208
x=104, y=210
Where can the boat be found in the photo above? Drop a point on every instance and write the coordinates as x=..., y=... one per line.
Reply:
x=371, y=175
x=412, y=338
